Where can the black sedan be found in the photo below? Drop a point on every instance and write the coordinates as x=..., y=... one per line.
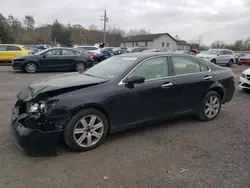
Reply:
x=121, y=92
x=53, y=59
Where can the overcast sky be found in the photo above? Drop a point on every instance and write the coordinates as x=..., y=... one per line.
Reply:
x=226, y=20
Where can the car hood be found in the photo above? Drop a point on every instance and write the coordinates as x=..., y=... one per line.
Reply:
x=206, y=55
x=62, y=81
x=24, y=56
x=247, y=71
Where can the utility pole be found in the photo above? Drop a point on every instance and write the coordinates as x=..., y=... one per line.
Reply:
x=105, y=20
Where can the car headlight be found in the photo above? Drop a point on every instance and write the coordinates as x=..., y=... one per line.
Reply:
x=41, y=107
x=243, y=75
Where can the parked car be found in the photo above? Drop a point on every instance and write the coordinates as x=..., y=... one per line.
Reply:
x=93, y=49
x=32, y=49
x=43, y=46
x=53, y=59
x=218, y=56
x=244, y=81
x=238, y=56
x=91, y=55
x=155, y=50
x=121, y=92
x=139, y=49
x=9, y=51
x=244, y=59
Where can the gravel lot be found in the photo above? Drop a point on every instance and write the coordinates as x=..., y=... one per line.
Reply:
x=179, y=153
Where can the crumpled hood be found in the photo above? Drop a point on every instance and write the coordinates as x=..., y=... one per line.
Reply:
x=57, y=82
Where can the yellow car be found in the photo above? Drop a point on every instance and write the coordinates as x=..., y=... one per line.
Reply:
x=9, y=51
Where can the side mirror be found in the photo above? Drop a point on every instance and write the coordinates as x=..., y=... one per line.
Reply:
x=135, y=79
x=44, y=55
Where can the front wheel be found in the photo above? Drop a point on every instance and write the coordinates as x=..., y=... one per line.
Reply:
x=211, y=106
x=86, y=130
x=30, y=67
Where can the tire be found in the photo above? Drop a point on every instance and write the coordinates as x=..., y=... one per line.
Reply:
x=202, y=112
x=80, y=66
x=230, y=63
x=213, y=61
x=30, y=67
x=75, y=131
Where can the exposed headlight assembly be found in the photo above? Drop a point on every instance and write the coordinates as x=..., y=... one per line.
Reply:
x=41, y=107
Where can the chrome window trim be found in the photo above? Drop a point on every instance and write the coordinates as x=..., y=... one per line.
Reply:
x=153, y=79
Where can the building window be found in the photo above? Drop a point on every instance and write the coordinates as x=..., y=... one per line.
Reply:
x=136, y=44
x=168, y=44
x=133, y=44
x=146, y=43
x=162, y=44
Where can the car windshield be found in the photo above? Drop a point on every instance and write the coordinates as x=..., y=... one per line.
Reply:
x=211, y=52
x=111, y=68
x=42, y=51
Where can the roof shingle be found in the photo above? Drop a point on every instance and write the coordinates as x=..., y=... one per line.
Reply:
x=145, y=38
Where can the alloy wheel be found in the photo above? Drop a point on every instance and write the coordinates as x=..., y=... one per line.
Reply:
x=31, y=67
x=80, y=67
x=212, y=106
x=88, y=131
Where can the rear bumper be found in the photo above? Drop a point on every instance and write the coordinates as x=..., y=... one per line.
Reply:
x=34, y=142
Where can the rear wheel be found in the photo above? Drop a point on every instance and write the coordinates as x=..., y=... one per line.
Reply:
x=230, y=63
x=30, y=67
x=80, y=66
x=86, y=130
x=211, y=106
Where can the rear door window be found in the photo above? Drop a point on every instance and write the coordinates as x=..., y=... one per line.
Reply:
x=3, y=48
x=185, y=65
x=67, y=52
x=13, y=48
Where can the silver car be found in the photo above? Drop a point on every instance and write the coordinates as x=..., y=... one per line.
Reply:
x=218, y=56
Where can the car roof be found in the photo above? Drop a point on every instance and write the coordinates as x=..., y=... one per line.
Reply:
x=12, y=45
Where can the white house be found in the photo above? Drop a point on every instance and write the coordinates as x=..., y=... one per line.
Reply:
x=183, y=45
x=159, y=41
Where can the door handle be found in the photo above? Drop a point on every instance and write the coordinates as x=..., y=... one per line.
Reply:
x=207, y=77
x=166, y=85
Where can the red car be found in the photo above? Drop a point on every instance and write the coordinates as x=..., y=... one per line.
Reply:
x=245, y=60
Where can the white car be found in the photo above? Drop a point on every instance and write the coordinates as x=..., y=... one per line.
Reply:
x=244, y=82
x=218, y=56
x=93, y=49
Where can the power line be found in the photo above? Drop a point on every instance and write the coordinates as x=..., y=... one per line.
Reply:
x=105, y=20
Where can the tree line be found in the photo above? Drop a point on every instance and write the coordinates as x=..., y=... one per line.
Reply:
x=14, y=30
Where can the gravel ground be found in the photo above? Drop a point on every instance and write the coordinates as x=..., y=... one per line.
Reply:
x=179, y=153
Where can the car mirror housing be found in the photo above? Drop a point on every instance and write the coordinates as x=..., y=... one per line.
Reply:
x=135, y=79
x=44, y=55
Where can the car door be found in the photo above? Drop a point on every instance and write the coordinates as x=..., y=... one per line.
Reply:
x=155, y=98
x=3, y=53
x=14, y=51
x=50, y=60
x=191, y=81
x=222, y=57
x=67, y=60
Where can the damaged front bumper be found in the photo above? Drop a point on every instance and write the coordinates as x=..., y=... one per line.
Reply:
x=32, y=140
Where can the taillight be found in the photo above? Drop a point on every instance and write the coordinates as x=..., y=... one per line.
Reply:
x=234, y=76
x=29, y=52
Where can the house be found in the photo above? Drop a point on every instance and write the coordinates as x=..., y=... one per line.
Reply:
x=159, y=40
x=183, y=45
